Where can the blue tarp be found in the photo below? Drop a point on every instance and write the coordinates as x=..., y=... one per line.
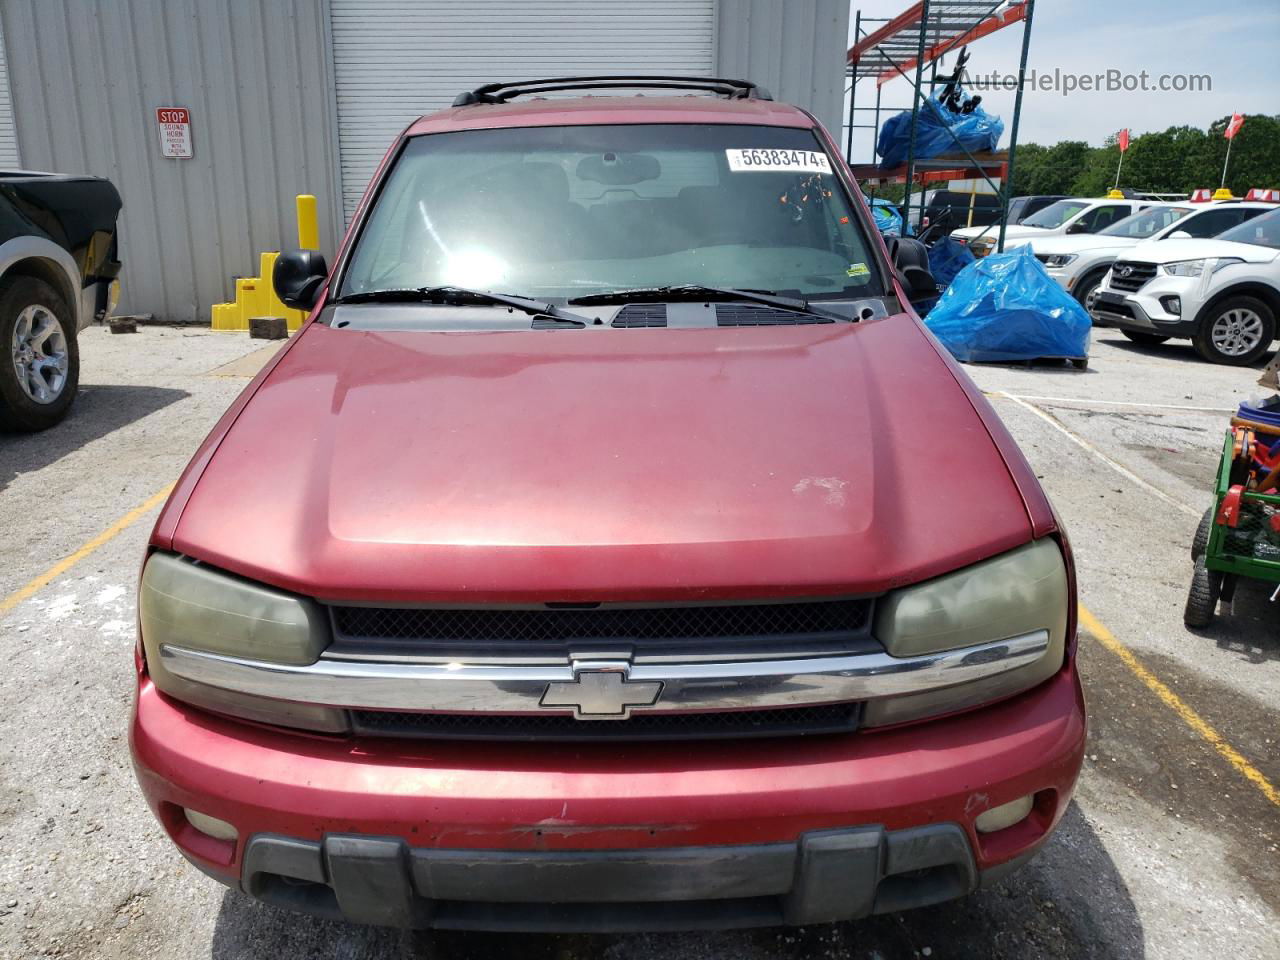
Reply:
x=978, y=131
x=888, y=219
x=947, y=258
x=1006, y=307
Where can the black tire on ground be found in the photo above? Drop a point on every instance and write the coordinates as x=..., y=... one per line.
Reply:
x=1203, y=339
x=1088, y=283
x=1200, y=542
x=1145, y=339
x=18, y=409
x=1202, y=600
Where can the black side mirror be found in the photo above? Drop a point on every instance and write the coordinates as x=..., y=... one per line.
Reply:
x=911, y=261
x=1078, y=227
x=298, y=277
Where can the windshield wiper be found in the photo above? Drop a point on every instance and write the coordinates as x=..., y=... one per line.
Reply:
x=462, y=296
x=696, y=291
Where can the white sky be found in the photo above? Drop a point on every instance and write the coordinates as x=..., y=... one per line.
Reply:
x=1236, y=42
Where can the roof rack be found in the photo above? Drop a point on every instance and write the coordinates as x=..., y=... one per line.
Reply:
x=502, y=92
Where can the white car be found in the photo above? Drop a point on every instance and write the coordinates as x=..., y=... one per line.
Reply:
x=1222, y=294
x=1077, y=215
x=1079, y=263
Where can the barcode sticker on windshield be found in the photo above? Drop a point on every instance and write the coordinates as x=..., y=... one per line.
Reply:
x=770, y=159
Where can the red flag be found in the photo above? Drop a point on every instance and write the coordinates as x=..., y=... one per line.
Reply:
x=1237, y=121
x=1124, y=139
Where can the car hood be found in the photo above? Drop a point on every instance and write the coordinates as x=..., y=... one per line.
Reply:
x=599, y=464
x=1079, y=243
x=1010, y=233
x=1171, y=251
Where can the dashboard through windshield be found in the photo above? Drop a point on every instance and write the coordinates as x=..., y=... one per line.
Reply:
x=567, y=212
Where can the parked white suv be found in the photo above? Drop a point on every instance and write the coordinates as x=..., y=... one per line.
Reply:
x=1079, y=263
x=1222, y=294
x=1076, y=215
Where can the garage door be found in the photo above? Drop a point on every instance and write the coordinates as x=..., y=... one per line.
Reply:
x=395, y=60
x=8, y=132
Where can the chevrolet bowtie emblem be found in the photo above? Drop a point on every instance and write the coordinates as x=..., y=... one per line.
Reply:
x=601, y=693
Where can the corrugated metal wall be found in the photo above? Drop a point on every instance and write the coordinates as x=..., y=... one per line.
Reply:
x=86, y=77
x=8, y=136
x=794, y=49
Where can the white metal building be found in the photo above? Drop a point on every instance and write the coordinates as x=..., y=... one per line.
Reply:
x=304, y=96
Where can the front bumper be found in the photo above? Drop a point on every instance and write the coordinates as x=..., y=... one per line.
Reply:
x=1144, y=310
x=612, y=836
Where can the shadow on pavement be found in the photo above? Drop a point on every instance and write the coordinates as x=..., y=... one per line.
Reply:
x=98, y=411
x=1170, y=350
x=1069, y=902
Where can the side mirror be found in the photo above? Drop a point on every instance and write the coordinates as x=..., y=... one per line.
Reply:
x=1078, y=227
x=911, y=261
x=1179, y=235
x=298, y=277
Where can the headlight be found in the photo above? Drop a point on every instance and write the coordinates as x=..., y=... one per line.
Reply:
x=1059, y=259
x=1194, y=268
x=1185, y=268
x=185, y=604
x=1019, y=592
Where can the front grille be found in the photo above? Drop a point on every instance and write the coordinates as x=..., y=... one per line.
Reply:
x=641, y=315
x=745, y=315
x=1137, y=275
x=789, y=721
x=555, y=624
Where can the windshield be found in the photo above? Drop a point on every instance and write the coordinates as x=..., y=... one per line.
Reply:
x=1055, y=214
x=1144, y=224
x=560, y=212
x=1263, y=231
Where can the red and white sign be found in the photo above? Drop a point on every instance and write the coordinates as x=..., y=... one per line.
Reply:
x=1233, y=127
x=175, y=131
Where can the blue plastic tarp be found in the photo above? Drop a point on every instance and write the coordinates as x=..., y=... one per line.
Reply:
x=888, y=219
x=1006, y=307
x=978, y=131
x=947, y=258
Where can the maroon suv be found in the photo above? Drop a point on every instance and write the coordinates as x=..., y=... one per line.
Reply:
x=612, y=548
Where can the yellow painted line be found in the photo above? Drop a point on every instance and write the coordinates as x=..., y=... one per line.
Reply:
x=65, y=564
x=1180, y=707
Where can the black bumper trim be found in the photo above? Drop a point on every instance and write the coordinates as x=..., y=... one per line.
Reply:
x=826, y=876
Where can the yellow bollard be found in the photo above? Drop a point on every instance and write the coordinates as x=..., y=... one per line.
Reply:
x=308, y=224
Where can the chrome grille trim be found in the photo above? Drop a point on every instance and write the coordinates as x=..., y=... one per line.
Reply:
x=519, y=689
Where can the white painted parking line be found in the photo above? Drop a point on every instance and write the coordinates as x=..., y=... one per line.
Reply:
x=1089, y=402
x=1085, y=444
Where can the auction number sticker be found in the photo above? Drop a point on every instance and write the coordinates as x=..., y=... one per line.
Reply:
x=770, y=159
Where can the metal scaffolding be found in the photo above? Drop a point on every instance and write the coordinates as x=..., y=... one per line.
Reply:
x=901, y=46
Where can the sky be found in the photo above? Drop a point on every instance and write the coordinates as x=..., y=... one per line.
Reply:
x=1235, y=42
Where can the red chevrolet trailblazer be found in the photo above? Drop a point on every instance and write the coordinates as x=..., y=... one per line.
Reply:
x=612, y=549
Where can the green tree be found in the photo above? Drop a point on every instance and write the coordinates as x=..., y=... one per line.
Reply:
x=1255, y=155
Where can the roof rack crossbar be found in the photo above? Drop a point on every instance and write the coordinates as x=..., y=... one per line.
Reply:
x=502, y=92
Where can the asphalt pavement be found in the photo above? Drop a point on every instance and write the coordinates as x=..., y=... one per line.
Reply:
x=1171, y=848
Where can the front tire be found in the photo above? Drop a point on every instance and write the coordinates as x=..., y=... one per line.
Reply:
x=1236, y=332
x=1087, y=287
x=1202, y=600
x=39, y=356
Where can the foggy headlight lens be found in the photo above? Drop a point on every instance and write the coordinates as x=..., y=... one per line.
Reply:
x=1059, y=259
x=1019, y=592
x=184, y=604
x=1185, y=268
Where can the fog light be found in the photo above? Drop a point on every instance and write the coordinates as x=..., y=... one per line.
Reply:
x=221, y=830
x=1172, y=305
x=1005, y=815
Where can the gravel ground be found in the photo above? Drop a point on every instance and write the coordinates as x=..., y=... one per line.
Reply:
x=1166, y=852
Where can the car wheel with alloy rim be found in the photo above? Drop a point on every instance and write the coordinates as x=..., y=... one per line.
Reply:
x=1235, y=331
x=40, y=362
